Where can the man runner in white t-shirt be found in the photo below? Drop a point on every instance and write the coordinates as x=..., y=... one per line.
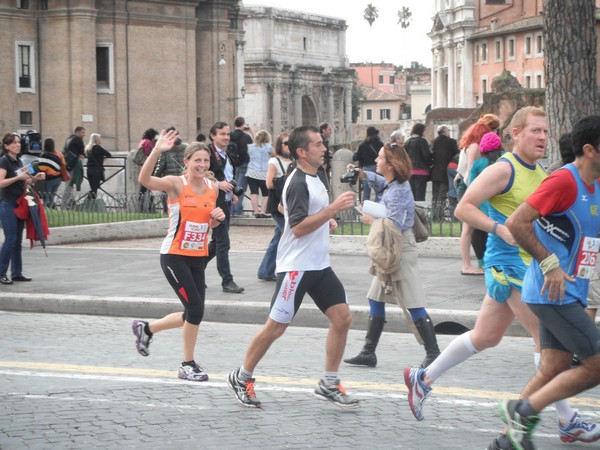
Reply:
x=303, y=266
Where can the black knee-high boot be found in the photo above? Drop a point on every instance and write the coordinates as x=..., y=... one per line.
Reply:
x=425, y=328
x=367, y=357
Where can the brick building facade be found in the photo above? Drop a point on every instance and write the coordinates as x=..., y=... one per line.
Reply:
x=117, y=68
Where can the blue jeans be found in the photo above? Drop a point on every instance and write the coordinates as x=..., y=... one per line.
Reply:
x=366, y=193
x=451, y=189
x=51, y=188
x=13, y=235
x=453, y=201
x=240, y=179
x=219, y=247
x=267, y=266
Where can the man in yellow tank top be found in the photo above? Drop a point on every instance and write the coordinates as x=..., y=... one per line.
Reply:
x=505, y=184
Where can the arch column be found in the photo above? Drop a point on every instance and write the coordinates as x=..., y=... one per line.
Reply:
x=451, y=76
x=276, y=104
x=297, y=104
x=239, y=75
x=330, y=91
x=348, y=113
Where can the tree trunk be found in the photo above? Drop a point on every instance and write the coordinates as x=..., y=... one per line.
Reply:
x=570, y=65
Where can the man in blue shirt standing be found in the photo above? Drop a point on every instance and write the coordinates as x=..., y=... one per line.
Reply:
x=222, y=167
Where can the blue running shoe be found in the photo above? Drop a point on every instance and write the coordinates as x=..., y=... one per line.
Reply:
x=418, y=391
x=579, y=429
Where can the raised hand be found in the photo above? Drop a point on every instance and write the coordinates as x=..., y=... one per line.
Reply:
x=166, y=140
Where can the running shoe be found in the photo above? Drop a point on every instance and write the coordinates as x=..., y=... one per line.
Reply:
x=192, y=372
x=418, y=391
x=142, y=341
x=244, y=390
x=520, y=428
x=579, y=429
x=336, y=394
x=495, y=445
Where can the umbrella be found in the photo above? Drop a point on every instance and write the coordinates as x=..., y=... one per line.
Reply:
x=31, y=210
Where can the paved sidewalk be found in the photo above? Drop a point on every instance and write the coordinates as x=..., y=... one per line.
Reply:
x=123, y=278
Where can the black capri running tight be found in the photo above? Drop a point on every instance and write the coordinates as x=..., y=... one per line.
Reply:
x=185, y=274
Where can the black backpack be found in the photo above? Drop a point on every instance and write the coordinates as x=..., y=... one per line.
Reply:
x=238, y=138
x=234, y=154
x=70, y=157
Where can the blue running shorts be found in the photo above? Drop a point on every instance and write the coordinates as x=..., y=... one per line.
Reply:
x=499, y=281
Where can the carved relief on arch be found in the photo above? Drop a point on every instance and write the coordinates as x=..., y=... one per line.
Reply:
x=459, y=51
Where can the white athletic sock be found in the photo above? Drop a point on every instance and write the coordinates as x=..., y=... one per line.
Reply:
x=563, y=408
x=459, y=350
x=536, y=359
x=244, y=375
x=331, y=378
x=564, y=411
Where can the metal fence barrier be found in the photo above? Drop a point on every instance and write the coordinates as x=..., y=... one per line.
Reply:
x=80, y=209
x=83, y=210
x=442, y=222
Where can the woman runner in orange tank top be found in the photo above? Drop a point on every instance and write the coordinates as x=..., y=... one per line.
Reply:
x=192, y=213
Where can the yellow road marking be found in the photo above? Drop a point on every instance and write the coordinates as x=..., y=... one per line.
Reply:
x=358, y=385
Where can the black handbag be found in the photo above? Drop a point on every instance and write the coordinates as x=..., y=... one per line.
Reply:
x=276, y=193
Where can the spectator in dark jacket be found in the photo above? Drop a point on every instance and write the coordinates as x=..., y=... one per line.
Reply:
x=326, y=131
x=74, y=150
x=567, y=154
x=170, y=163
x=50, y=163
x=366, y=155
x=95, y=154
x=222, y=167
x=417, y=148
x=443, y=148
x=242, y=136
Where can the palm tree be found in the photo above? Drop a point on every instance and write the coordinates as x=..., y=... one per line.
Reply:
x=371, y=14
x=404, y=17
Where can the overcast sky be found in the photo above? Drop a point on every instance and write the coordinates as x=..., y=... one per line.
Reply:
x=386, y=42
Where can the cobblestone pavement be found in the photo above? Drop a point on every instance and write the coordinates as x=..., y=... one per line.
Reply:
x=70, y=381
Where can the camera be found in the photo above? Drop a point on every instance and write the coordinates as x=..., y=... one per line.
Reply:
x=237, y=191
x=350, y=177
x=31, y=143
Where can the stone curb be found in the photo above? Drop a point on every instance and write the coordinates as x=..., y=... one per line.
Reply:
x=446, y=320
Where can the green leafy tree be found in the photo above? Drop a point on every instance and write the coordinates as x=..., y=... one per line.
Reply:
x=371, y=14
x=569, y=65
